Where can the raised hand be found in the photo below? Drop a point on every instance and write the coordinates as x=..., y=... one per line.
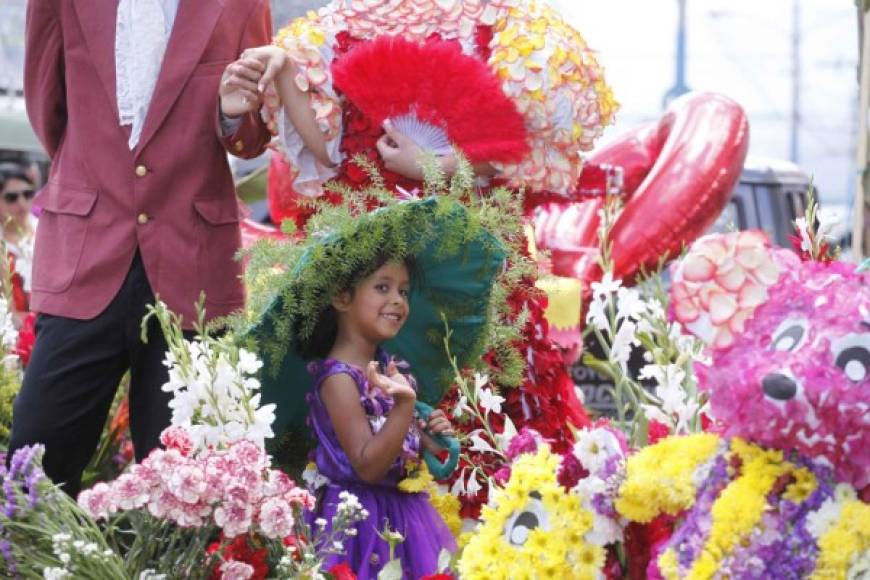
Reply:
x=393, y=383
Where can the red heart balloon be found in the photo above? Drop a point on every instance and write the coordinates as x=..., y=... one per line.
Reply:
x=678, y=174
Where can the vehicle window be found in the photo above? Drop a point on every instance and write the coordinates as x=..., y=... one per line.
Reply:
x=730, y=219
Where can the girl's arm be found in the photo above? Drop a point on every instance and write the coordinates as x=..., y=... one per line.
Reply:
x=371, y=454
x=280, y=70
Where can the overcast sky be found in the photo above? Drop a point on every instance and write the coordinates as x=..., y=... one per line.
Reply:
x=741, y=48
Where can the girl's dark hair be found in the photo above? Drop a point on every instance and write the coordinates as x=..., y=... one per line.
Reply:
x=320, y=342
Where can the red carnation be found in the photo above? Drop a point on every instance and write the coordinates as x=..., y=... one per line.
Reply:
x=342, y=572
x=240, y=550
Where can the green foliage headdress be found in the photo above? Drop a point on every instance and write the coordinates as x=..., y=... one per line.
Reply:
x=456, y=263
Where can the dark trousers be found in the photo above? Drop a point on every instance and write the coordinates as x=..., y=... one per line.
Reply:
x=72, y=377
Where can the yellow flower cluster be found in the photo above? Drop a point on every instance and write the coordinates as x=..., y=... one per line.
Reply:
x=739, y=507
x=532, y=529
x=847, y=539
x=551, y=74
x=659, y=478
x=802, y=487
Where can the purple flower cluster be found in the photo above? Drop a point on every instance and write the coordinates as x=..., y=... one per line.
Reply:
x=690, y=537
x=20, y=493
x=782, y=547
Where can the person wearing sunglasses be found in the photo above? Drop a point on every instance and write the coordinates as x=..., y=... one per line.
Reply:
x=18, y=229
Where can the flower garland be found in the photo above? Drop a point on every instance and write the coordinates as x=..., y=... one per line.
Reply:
x=740, y=506
x=752, y=511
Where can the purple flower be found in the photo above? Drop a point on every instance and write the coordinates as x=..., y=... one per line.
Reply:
x=689, y=538
x=6, y=553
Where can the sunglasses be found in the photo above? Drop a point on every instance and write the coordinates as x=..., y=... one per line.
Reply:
x=11, y=197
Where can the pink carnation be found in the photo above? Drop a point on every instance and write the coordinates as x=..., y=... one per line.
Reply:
x=301, y=497
x=177, y=438
x=97, y=501
x=235, y=570
x=276, y=518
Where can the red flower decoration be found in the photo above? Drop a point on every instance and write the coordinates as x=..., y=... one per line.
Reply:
x=26, y=338
x=342, y=572
x=241, y=550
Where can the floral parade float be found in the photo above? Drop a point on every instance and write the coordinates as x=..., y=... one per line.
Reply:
x=781, y=489
x=555, y=494
x=539, y=101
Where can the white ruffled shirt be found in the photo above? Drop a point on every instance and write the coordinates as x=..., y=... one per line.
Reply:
x=141, y=35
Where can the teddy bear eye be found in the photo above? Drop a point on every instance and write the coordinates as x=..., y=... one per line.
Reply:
x=852, y=354
x=533, y=515
x=789, y=335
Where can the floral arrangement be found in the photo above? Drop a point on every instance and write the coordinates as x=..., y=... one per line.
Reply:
x=533, y=524
x=786, y=377
x=187, y=510
x=622, y=319
x=744, y=510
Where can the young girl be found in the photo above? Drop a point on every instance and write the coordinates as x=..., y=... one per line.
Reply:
x=362, y=415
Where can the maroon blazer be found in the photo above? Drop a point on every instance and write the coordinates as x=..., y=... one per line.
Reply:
x=172, y=197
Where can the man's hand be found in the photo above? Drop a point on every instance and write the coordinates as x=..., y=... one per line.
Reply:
x=239, y=93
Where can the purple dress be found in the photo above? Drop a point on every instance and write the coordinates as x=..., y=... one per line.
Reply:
x=411, y=514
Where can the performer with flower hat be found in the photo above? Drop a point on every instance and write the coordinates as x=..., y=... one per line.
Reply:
x=378, y=84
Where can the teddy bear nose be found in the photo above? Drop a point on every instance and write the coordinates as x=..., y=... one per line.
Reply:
x=779, y=387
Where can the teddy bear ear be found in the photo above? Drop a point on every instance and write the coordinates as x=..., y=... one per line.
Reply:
x=720, y=282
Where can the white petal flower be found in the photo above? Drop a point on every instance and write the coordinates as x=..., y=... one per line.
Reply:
x=625, y=337
x=489, y=401
x=606, y=286
x=629, y=304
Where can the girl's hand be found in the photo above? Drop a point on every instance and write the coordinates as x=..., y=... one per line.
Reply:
x=274, y=61
x=393, y=383
x=438, y=424
x=401, y=155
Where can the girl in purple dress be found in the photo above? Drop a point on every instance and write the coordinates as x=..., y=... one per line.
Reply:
x=362, y=416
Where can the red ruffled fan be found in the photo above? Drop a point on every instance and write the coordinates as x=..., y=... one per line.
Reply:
x=434, y=94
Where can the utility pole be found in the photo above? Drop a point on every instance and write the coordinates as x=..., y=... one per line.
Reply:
x=679, y=87
x=794, y=148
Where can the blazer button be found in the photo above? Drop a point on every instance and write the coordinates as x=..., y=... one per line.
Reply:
x=239, y=145
x=142, y=218
x=141, y=170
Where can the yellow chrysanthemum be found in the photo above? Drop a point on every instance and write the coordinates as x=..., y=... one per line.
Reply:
x=847, y=539
x=659, y=478
x=533, y=528
x=802, y=487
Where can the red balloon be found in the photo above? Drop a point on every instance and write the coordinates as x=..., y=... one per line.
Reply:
x=678, y=175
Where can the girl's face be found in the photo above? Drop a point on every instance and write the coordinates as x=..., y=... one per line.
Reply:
x=378, y=305
x=15, y=202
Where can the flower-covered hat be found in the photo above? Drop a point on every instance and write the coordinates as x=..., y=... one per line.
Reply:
x=455, y=260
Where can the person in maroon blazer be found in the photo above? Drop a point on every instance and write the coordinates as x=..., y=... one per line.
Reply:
x=124, y=95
